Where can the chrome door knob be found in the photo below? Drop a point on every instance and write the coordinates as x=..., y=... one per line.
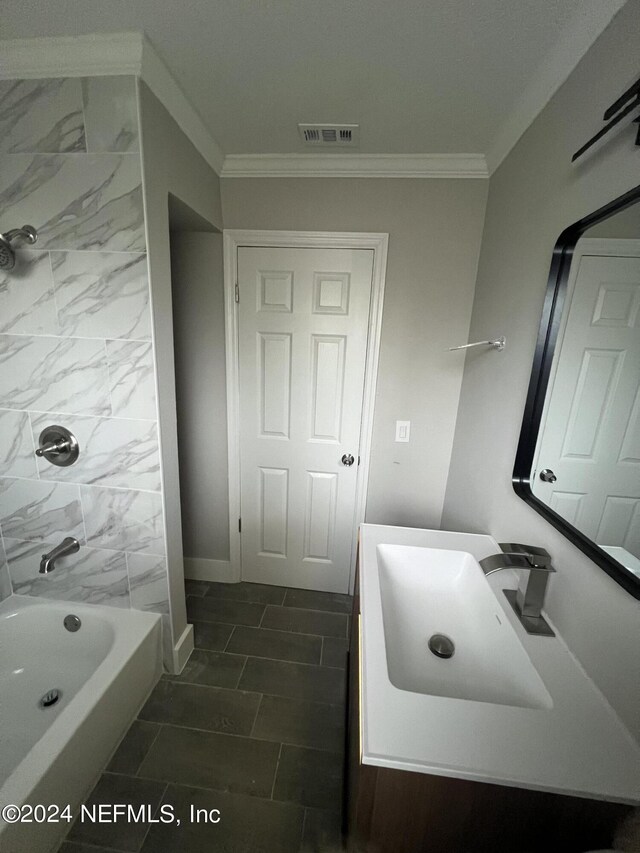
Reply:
x=547, y=476
x=347, y=460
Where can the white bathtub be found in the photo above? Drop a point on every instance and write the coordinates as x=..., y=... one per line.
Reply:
x=103, y=672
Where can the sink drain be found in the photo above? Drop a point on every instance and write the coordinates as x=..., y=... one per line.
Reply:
x=50, y=698
x=441, y=646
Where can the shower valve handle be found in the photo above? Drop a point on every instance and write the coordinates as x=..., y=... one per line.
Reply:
x=53, y=447
x=58, y=446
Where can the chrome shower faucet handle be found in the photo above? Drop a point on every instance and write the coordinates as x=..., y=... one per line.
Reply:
x=58, y=446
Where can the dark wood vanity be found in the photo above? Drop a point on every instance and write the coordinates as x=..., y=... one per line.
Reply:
x=396, y=811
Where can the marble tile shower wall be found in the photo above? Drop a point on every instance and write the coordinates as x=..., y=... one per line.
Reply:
x=76, y=349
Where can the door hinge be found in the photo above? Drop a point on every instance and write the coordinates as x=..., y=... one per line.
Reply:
x=239, y=525
x=237, y=292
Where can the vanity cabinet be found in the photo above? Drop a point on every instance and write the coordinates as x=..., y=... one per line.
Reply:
x=398, y=811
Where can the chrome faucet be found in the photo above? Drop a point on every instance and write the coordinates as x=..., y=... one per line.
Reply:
x=70, y=545
x=528, y=599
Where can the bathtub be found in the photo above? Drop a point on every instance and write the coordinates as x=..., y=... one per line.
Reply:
x=52, y=750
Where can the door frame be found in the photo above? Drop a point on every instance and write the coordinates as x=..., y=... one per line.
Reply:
x=234, y=239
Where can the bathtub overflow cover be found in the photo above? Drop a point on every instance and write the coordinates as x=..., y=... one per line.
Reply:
x=441, y=646
x=72, y=623
x=50, y=698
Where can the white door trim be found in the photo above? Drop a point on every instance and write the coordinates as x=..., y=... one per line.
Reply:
x=617, y=246
x=235, y=238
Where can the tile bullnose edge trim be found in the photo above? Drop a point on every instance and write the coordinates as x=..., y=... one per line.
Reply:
x=95, y=54
x=110, y=54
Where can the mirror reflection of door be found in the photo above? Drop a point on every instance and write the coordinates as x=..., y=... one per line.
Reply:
x=589, y=447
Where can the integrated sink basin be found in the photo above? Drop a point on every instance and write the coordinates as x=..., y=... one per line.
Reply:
x=429, y=591
x=500, y=705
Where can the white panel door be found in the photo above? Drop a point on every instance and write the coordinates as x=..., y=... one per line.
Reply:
x=303, y=324
x=591, y=438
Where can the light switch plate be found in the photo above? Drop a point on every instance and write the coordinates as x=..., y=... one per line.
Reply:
x=403, y=429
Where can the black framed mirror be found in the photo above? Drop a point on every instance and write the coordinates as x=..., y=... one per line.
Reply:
x=578, y=457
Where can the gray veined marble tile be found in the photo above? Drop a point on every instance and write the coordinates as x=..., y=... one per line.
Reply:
x=17, y=453
x=60, y=374
x=132, y=379
x=27, y=304
x=148, y=585
x=41, y=116
x=88, y=201
x=123, y=520
x=113, y=452
x=111, y=113
x=92, y=576
x=34, y=510
x=5, y=580
x=102, y=294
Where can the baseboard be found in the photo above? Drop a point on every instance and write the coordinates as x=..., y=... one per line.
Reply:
x=182, y=650
x=201, y=569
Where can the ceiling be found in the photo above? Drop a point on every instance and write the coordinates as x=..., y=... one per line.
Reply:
x=417, y=75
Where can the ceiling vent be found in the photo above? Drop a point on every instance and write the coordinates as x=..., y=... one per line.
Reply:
x=330, y=134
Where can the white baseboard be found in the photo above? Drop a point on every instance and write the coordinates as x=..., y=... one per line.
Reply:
x=201, y=569
x=182, y=650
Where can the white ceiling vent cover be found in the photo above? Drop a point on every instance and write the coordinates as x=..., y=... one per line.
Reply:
x=330, y=134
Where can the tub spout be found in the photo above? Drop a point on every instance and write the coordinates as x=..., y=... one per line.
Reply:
x=70, y=545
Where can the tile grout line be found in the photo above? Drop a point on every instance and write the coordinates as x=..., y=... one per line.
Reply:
x=304, y=825
x=74, y=482
x=155, y=738
x=90, y=846
x=181, y=727
x=258, y=627
x=321, y=649
x=233, y=630
x=244, y=666
x=255, y=719
x=162, y=796
x=223, y=689
x=224, y=791
x=275, y=775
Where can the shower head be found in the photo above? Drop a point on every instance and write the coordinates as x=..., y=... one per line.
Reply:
x=7, y=252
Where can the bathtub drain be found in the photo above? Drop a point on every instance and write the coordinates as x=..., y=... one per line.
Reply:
x=72, y=623
x=50, y=698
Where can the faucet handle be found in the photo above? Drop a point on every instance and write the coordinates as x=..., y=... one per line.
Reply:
x=538, y=557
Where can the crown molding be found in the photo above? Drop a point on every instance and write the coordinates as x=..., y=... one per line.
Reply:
x=354, y=166
x=164, y=86
x=103, y=55
x=582, y=30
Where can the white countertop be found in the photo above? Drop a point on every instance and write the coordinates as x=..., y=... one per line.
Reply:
x=577, y=747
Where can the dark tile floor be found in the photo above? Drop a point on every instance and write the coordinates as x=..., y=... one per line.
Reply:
x=254, y=727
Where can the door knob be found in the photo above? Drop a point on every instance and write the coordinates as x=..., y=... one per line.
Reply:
x=347, y=460
x=547, y=476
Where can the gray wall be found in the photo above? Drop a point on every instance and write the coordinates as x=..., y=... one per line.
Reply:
x=76, y=347
x=171, y=165
x=435, y=227
x=533, y=196
x=622, y=226
x=198, y=328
